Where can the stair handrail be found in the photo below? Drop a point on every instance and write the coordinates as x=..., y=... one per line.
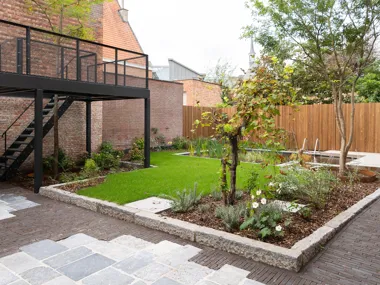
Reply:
x=4, y=134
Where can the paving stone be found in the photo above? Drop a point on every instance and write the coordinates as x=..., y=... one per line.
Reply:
x=251, y=282
x=43, y=249
x=86, y=266
x=108, y=276
x=11, y=199
x=23, y=205
x=39, y=275
x=136, y=262
x=152, y=272
x=77, y=240
x=139, y=282
x=228, y=275
x=19, y=282
x=189, y=273
x=111, y=250
x=152, y=204
x=67, y=257
x=61, y=280
x=4, y=214
x=6, y=276
x=181, y=256
x=20, y=262
x=163, y=247
x=206, y=282
x=132, y=242
x=6, y=207
x=166, y=281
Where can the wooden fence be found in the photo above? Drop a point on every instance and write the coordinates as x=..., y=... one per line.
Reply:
x=311, y=122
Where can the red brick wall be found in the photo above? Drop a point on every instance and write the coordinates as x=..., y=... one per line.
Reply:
x=124, y=120
x=204, y=93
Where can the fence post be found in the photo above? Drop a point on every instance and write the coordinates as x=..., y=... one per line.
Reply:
x=79, y=75
x=116, y=59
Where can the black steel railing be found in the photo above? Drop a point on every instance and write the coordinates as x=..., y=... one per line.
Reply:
x=5, y=133
x=82, y=73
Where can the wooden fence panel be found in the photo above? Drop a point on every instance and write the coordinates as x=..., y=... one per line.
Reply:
x=311, y=122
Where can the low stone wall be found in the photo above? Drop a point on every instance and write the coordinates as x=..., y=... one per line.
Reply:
x=292, y=259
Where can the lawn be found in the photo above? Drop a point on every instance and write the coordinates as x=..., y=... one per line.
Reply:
x=172, y=174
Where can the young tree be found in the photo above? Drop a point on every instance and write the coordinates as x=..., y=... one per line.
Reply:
x=256, y=99
x=335, y=38
x=79, y=12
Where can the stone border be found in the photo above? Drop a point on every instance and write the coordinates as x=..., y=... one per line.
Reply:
x=291, y=259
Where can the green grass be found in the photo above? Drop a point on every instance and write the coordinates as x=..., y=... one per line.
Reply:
x=173, y=173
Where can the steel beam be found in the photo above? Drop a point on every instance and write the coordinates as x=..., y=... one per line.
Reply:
x=88, y=127
x=38, y=140
x=147, y=132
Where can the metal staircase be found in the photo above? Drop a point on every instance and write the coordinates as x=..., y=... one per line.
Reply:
x=23, y=145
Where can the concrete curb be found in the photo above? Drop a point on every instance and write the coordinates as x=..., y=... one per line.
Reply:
x=291, y=259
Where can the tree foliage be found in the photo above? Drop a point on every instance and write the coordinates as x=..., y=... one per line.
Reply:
x=334, y=39
x=256, y=99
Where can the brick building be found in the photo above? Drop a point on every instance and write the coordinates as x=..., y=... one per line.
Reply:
x=119, y=121
x=196, y=92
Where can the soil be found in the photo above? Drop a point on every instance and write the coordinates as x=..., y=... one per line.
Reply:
x=340, y=199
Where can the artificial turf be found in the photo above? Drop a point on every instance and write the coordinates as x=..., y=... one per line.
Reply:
x=173, y=173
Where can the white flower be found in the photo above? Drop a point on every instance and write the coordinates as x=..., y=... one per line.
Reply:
x=255, y=205
x=278, y=228
x=278, y=191
x=280, y=185
x=271, y=184
x=258, y=192
x=253, y=197
x=263, y=201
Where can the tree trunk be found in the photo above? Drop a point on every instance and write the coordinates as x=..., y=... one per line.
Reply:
x=342, y=158
x=223, y=180
x=56, y=137
x=234, y=164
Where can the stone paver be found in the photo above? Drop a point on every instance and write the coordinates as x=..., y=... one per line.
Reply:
x=350, y=258
x=39, y=275
x=6, y=276
x=68, y=257
x=166, y=281
x=152, y=204
x=77, y=240
x=43, y=249
x=110, y=250
x=228, y=275
x=10, y=203
x=134, y=263
x=20, y=262
x=152, y=272
x=132, y=242
x=189, y=273
x=109, y=276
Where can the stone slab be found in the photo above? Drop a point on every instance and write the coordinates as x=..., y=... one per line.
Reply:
x=61, y=280
x=86, y=266
x=189, y=273
x=39, y=275
x=132, y=242
x=108, y=276
x=24, y=205
x=163, y=248
x=152, y=205
x=152, y=272
x=43, y=249
x=6, y=276
x=228, y=275
x=68, y=257
x=178, y=257
x=111, y=250
x=20, y=262
x=134, y=263
x=77, y=240
x=166, y=281
x=4, y=214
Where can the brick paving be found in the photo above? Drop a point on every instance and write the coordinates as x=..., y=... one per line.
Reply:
x=352, y=257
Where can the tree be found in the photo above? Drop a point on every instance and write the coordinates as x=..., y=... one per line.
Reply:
x=256, y=99
x=222, y=74
x=335, y=38
x=368, y=86
x=79, y=12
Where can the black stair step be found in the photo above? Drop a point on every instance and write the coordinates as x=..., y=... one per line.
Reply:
x=49, y=105
x=11, y=157
x=26, y=136
x=20, y=142
x=14, y=150
x=46, y=111
x=29, y=129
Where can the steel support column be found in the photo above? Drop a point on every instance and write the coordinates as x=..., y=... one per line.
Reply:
x=88, y=127
x=147, y=132
x=38, y=140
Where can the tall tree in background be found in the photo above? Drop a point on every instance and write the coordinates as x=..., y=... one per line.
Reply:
x=334, y=38
x=56, y=12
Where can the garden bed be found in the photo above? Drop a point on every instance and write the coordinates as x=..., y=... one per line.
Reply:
x=339, y=200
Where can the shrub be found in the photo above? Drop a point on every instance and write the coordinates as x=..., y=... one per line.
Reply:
x=185, y=200
x=137, y=150
x=216, y=194
x=266, y=220
x=204, y=208
x=311, y=187
x=239, y=195
x=231, y=216
x=64, y=161
x=90, y=165
x=180, y=143
x=107, y=157
x=66, y=177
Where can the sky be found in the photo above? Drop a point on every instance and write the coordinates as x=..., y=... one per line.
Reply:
x=196, y=33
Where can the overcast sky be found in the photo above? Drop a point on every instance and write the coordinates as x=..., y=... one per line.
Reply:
x=196, y=33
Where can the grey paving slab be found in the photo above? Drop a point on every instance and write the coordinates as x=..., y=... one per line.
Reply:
x=152, y=272
x=134, y=263
x=152, y=204
x=19, y=282
x=6, y=207
x=86, y=266
x=111, y=250
x=20, y=262
x=23, y=205
x=6, y=276
x=43, y=249
x=163, y=247
x=11, y=199
x=68, y=256
x=251, y=282
x=206, y=282
x=77, y=240
x=4, y=214
x=166, y=281
x=132, y=242
x=108, y=276
x=139, y=282
x=189, y=273
x=179, y=256
x=228, y=275
x=39, y=275
x=61, y=280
